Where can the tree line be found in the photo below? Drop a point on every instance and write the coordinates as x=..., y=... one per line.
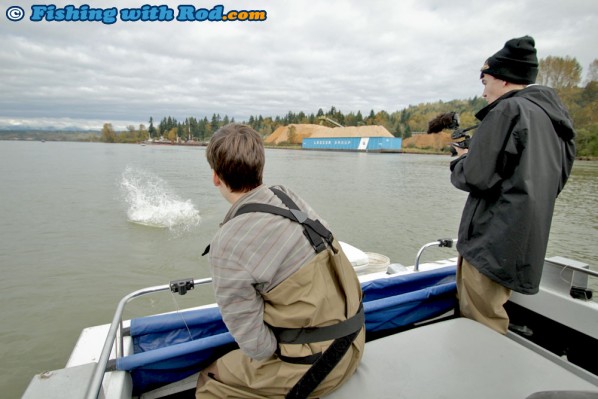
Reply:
x=168, y=129
x=564, y=74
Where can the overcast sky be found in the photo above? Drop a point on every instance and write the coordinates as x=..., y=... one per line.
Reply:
x=355, y=55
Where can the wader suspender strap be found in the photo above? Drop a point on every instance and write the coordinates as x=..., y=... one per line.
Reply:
x=314, y=230
x=322, y=367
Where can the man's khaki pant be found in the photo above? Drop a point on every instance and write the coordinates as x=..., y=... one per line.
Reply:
x=480, y=298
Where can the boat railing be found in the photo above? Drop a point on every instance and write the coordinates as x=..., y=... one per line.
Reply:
x=441, y=242
x=115, y=332
x=578, y=289
x=589, y=272
x=450, y=242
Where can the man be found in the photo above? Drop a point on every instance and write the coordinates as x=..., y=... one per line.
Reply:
x=519, y=160
x=276, y=271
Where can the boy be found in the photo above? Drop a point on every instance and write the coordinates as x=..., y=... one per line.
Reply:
x=277, y=270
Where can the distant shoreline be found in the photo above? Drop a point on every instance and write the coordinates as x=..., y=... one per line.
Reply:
x=410, y=150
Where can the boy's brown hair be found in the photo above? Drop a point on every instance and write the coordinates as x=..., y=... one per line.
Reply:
x=236, y=154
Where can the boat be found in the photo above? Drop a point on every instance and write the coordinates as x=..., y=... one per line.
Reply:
x=417, y=346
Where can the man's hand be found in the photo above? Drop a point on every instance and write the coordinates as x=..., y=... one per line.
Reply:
x=460, y=151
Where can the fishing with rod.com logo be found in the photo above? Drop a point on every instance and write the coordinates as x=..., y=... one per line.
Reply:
x=145, y=13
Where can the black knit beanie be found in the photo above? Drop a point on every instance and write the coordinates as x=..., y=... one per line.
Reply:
x=516, y=62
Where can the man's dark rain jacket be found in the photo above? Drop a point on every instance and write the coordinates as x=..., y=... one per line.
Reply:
x=519, y=160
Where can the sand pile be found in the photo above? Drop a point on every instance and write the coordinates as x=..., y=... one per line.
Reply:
x=437, y=141
x=281, y=135
x=297, y=132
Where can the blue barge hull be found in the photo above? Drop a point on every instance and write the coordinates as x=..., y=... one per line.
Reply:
x=369, y=144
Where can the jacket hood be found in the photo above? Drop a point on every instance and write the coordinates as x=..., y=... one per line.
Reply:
x=545, y=98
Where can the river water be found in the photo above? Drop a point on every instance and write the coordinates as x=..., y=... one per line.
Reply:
x=83, y=224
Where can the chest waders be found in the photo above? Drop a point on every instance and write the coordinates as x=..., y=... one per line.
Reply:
x=343, y=333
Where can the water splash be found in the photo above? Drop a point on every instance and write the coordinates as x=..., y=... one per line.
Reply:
x=151, y=202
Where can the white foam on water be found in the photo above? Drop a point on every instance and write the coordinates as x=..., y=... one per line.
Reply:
x=151, y=202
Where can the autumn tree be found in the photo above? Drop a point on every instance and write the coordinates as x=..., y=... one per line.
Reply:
x=108, y=133
x=172, y=134
x=467, y=119
x=559, y=72
x=142, y=133
x=592, y=75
